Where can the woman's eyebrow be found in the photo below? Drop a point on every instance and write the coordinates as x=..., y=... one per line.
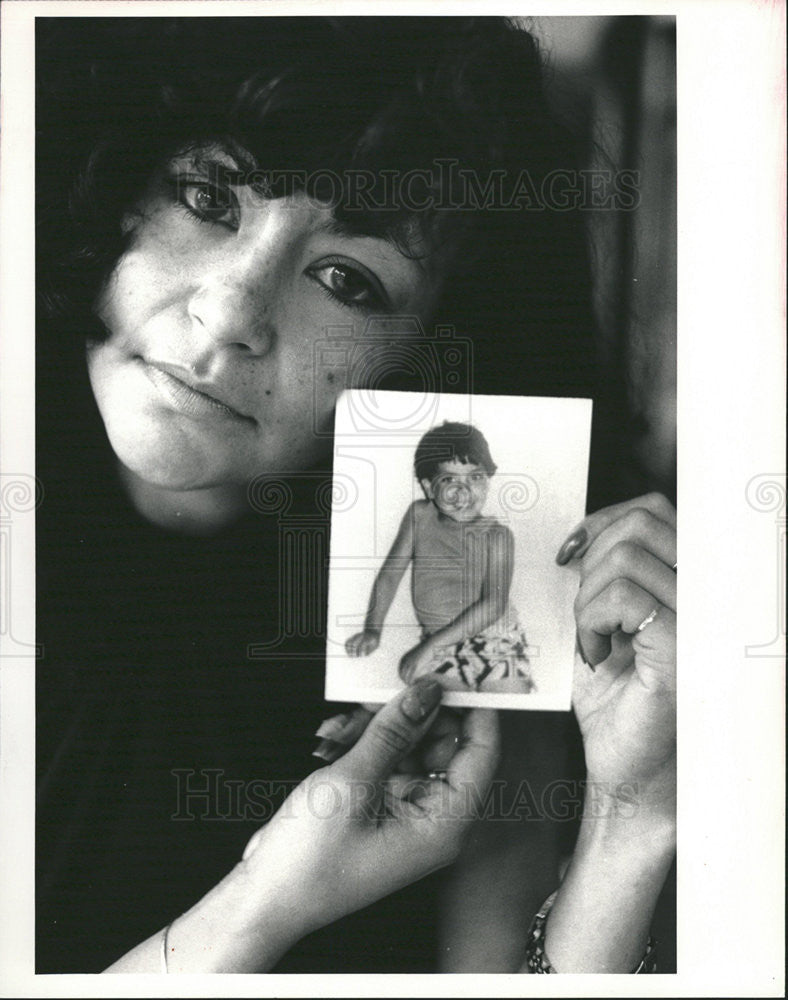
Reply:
x=357, y=230
x=227, y=163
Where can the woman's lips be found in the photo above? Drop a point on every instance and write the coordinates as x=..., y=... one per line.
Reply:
x=186, y=398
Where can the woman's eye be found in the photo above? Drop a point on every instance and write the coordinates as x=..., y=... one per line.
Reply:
x=349, y=285
x=208, y=202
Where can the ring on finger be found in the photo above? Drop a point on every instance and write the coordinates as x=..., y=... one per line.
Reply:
x=648, y=619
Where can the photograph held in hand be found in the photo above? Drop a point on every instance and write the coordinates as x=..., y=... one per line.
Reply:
x=468, y=521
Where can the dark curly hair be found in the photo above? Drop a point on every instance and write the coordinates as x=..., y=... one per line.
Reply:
x=315, y=97
x=451, y=441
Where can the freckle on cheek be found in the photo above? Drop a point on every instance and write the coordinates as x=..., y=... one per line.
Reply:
x=268, y=392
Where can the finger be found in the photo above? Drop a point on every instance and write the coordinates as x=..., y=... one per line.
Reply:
x=409, y=787
x=629, y=561
x=410, y=764
x=437, y=809
x=583, y=534
x=438, y=746
x=329, y=751
x=432, y=755
x=622, y=606
x=442, y=742
x=655, y=649
x=347, y=727
x=473, y=765
x=406, y=672
x=393, y=732
x=638, y=527
x=440, y=754
x=331, y=728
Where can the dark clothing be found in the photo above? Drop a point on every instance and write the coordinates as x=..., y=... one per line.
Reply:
x=161, y=743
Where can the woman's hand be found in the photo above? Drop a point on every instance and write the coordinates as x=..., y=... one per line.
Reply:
x=340, y=732
x=360, y=828
x=624, y=696
x=625, y=609
x=348, y=835
x=363, y=643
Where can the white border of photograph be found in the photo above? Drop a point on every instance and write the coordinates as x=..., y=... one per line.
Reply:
x=540, y=446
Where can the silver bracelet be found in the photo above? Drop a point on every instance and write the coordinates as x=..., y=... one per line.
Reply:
x=537, y=961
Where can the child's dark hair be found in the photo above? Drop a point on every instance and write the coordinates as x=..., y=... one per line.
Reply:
x=452, y=442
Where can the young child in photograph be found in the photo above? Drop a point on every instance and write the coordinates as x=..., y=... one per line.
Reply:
x=463, y=563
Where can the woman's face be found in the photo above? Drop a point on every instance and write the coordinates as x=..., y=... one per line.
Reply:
x=222, y=316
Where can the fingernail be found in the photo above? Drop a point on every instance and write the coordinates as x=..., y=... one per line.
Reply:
x=333, y=727
x=571, y=546
x=422, y=697
x=327, y=750
x=591, y=666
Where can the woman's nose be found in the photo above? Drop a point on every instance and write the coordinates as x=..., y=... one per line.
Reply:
x=229, y=312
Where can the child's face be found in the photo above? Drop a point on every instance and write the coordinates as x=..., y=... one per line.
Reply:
x=459, y=490
x=217, y=367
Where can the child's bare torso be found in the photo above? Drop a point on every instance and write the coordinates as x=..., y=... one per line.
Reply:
x=450, y=562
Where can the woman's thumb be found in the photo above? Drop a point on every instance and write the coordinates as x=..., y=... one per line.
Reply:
x=393, y=732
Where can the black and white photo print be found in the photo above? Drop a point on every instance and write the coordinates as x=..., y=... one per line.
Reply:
x=448, y=513
x=339, y=605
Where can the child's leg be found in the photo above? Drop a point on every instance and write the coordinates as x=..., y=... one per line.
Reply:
x=489, y=658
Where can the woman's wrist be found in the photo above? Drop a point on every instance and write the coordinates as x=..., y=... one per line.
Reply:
x=236, y=927
x=601, y=918
x=631, y=833
x=233, y=928
x=626, y=811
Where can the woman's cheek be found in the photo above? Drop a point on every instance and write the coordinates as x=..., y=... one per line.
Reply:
x=318, y=357
x=325, y=387
x=139, y=282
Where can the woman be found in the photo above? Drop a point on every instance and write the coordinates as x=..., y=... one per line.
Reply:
x=240, y=196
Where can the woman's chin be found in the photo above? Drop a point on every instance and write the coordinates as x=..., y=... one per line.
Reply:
x=179, y=471
x=181, y=499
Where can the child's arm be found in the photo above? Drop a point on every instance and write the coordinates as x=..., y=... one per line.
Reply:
x=385, y=587
x=485, y=611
